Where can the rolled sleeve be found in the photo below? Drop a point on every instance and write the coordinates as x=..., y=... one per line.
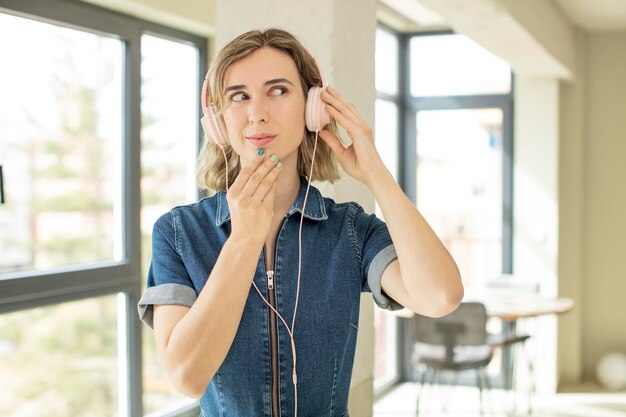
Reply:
x=376, y=252
x=167, y=294
x=374, y=278
x=168, y=279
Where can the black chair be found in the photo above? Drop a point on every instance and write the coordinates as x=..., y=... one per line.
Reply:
x=456, y=342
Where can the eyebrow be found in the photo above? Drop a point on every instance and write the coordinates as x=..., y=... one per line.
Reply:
x=269, y=82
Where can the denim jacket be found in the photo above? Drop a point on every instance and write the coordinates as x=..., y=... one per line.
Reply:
x=344, y=252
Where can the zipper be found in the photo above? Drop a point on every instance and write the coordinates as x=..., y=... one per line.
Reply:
x=273, y=343
x=273, y=326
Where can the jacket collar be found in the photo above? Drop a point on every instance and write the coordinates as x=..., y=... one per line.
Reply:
x=315, y=208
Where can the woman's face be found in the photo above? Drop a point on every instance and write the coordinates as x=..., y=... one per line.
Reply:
x=264, y=106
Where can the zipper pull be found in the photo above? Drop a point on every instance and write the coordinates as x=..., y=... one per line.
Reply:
x=270, y=280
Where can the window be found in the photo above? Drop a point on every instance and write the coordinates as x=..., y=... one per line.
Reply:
x=459, y=186
x=76, y=344
x=386, y=132
x=458, y=153
x=169, y=105
x=386, y=57
x=97, y=126
x=461, y=139
x=452, y=65
x=61, y=141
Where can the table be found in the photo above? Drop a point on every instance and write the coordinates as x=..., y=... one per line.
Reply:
x=511, y=308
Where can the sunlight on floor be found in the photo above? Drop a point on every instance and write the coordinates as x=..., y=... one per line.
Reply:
x=464, y=401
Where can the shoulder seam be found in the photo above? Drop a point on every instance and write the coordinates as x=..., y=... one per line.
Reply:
x=176, y=233
x=352, y=210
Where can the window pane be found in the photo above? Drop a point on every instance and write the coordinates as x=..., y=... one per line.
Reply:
x=169, y=133
x=385, y=365
x=385, y=324
x=386, y=134
x=459, y=186
x=60, y=140
x=446, y=65
x=386, y=62
x=60, y=360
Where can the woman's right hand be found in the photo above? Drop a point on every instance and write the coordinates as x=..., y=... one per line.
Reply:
x=251, y=199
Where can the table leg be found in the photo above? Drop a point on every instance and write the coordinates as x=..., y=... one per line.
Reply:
x=509, y=328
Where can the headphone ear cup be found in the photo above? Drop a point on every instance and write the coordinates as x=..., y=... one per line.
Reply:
x=214, y=128
x=315, y=114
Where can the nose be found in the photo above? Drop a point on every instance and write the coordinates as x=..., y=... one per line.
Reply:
x=258, y=111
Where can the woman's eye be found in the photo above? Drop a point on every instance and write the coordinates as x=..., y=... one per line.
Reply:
x=279, y=91
x=238, y=96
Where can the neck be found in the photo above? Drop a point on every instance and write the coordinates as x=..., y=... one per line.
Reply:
x=287, y=189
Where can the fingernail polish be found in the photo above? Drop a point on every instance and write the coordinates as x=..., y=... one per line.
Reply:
x=260, y=152
x=278, y=165
x=273, y=158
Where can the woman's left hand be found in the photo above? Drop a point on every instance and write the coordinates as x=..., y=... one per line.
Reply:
x=361, y=159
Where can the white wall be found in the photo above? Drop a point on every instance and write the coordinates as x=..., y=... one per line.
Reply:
x=572, y=173
x=604, y=279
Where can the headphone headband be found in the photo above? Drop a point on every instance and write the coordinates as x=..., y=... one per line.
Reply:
x=319, y=68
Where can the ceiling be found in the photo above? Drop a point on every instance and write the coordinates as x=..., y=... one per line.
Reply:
x=590, y=15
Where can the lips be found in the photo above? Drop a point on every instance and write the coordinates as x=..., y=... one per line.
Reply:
x=261, y=140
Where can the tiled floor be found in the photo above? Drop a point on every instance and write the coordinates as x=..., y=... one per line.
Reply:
x=464, y=402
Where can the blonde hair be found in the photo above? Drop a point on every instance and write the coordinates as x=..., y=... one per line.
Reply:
x=211, y=167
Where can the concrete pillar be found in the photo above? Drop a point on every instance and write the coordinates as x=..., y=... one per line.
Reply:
x=341, y=35
x=536, y=210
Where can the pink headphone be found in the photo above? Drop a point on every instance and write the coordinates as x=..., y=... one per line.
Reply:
x=315, y=114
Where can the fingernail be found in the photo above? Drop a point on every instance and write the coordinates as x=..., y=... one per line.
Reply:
x=278, y=165
x=273, y=158
x=260, y=152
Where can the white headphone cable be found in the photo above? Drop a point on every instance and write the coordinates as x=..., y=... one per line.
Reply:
x=295, y=310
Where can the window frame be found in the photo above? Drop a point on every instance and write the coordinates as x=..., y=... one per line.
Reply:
x=29, y=289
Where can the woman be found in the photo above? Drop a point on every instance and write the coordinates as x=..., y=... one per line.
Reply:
x=233, y=302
